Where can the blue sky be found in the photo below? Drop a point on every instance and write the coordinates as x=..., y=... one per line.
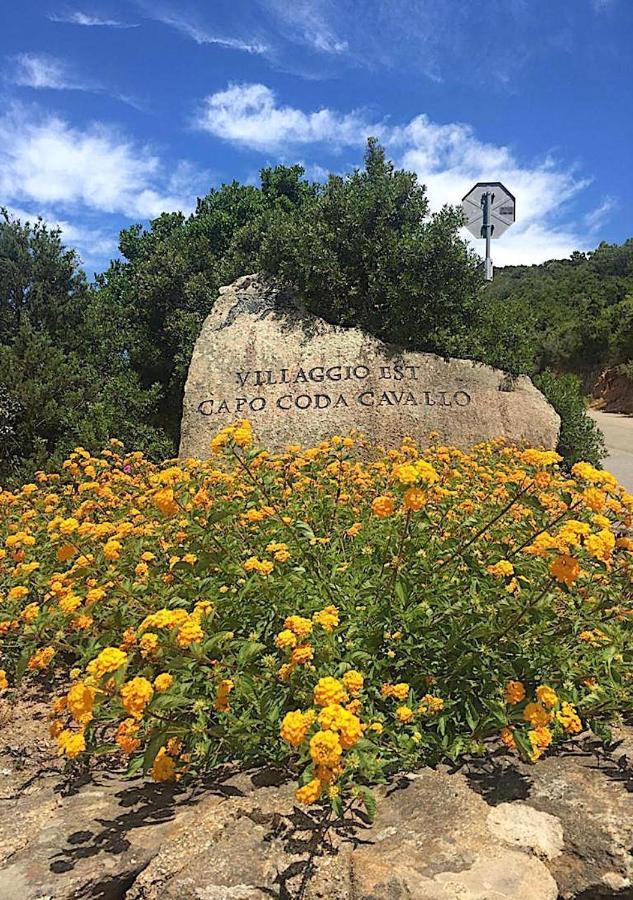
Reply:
x=112, y=111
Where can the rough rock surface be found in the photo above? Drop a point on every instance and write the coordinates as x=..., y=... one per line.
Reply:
x=434, y=838
x=495, y=830
x=614, y=392
x=299, y=379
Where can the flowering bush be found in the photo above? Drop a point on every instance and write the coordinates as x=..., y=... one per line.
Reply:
x=336, y=613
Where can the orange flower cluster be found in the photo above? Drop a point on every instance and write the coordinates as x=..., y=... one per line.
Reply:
x=375, y=607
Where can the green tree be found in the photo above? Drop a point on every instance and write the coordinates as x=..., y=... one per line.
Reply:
x=364, y=250
x=40, y=281
x=569, y=315
x=56, y=400
x=168, y=280
x=361, y=250
x=60, y=382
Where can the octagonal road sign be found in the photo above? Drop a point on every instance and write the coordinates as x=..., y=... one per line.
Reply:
x=502, y=208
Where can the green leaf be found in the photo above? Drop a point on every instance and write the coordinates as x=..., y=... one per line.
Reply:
x=151, y=751
x=471, y=714
x=206, y=559
x=218, y=514
x=369, y=802
x=402, y=591
x=337, y=805
x=523, y=743
x=21, y=666
x=304, y=530
x=249, y=651
x=135, y=765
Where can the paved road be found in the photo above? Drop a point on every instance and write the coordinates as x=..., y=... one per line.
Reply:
x=618, y=435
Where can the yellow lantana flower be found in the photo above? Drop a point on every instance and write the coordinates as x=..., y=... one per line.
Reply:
x=310, y=792
x=328, y=691
x=383, y=506
x=565, y=569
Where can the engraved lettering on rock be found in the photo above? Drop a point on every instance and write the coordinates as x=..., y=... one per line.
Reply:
x=260, y=355
x=343, y=376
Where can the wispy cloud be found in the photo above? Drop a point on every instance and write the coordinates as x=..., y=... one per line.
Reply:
x=42, y=71
x=308, y=22
x=89, y=21
x=452, y=41
x=194, y=29
x=596, y=218
x=45, y=162
x=448, y=158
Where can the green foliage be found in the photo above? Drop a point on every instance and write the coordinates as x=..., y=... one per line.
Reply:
x=64, y=376
x=40, y=280
x=437, y=601
x=580, y=438
x=502, y=338
x=364, y=251
x=626, y=369
x=59, y=399
x=573, y=314
x=161, y=292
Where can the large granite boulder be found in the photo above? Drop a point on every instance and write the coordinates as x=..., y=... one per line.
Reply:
x=260, y=355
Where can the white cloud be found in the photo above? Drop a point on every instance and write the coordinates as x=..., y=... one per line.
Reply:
x=46, y=162
x=80, y=18
x=534, y=242
x=315, y=172
x=248, y=114
x=198, y=32
x=42, y=71
x=448, y=158
x=91, y=243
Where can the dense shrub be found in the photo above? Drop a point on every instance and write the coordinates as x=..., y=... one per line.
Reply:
x=323, y=609
x=626, y=369
x=56, y=399
x=65, y=375
x=571, y=314
x=364, y=250
x=580, y=438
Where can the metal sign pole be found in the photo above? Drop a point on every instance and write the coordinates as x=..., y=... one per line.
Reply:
x=486, y=201
x=489, y=210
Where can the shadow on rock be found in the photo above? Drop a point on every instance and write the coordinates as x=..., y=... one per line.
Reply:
x=153, y=805
x=497, y=780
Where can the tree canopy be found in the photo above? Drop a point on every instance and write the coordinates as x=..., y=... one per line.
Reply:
x=81, y=363
x=361, y=250
x=571, y=314
x=59, y=384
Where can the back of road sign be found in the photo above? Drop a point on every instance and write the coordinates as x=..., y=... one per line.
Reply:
x=502, y=208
